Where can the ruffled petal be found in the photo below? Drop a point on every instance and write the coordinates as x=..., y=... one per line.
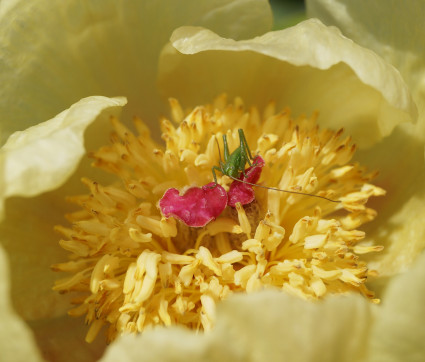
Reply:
x=42, y=157
x=62, y=339
x=367, y=112
x=399, y=332
x=54, y=53
x=392, y=29
x=308, y=67
x=36, y=161
x=182, y=345
x=398, y=37
x=274, y=324
x=258, y=327
x=32, y=246
x=398, y=227
x=16, y=340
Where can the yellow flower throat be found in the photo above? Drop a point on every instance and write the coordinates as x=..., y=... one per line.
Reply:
x=133, y=268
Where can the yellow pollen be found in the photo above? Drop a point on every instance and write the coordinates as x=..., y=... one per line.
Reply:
x=132, y=268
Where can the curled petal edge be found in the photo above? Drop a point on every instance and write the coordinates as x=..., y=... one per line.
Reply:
x=312, y=44
x=41, y=158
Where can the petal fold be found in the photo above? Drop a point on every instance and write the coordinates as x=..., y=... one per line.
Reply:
x=16, y=340
x=35, y=161
x=258, y=327
x=308, y=67
x=392, y=29
x=54, y=53
x=399, y=332
x=43, y=157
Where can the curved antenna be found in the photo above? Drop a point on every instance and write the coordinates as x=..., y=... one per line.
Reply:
x=218, y=146
x=288, y=191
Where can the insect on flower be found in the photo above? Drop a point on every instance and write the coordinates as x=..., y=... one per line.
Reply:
x=139, y=269
x=234, y=166
x=198, y=206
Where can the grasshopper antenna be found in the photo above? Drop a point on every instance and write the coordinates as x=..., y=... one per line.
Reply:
x=288, y=191
x=218, y=147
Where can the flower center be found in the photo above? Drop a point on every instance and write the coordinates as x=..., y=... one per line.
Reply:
x=133, y=268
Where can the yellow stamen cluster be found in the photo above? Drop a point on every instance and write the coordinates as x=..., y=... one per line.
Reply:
x=133, y=268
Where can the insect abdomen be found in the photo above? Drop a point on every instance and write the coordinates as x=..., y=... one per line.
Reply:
x=232, y=166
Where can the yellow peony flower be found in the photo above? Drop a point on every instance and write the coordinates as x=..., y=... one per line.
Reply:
x=120, y=49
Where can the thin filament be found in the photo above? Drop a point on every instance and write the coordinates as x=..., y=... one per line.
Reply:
x=288, y=191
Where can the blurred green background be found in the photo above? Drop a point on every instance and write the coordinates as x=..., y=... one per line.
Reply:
x=287, y=13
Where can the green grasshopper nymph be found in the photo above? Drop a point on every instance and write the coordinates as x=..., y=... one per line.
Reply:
x=234, y=164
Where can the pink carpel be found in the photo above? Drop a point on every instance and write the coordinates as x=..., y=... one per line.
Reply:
x=242, y=192
x=197, y=207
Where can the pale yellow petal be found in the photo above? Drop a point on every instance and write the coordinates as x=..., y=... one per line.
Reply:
x=16, y=341
x=398, y=333
x=402, y=234
x=259, y=327
x=32, y=247
x=271, y=324
x=43, y=157
x=62, y=339
x=395, y=31
x=392, y=29
x=172, y=344
x=398, y=227
x=53, y=53
x=37, y=160
x=308, y=67
x=6, y=5
x=342, y=100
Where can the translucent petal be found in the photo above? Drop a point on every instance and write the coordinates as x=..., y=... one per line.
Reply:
x=341, y=98
x=398, y=227
x=16, y=340
x=35, y=161
x=308, y=67
x=182, y=345
x=392, y=29
x=62, y=339
x=274, y=324
x=395, y=32
x=42, y=157
x=399, y=332
x=259, y=327
x=32, y=247
x=54, y=53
